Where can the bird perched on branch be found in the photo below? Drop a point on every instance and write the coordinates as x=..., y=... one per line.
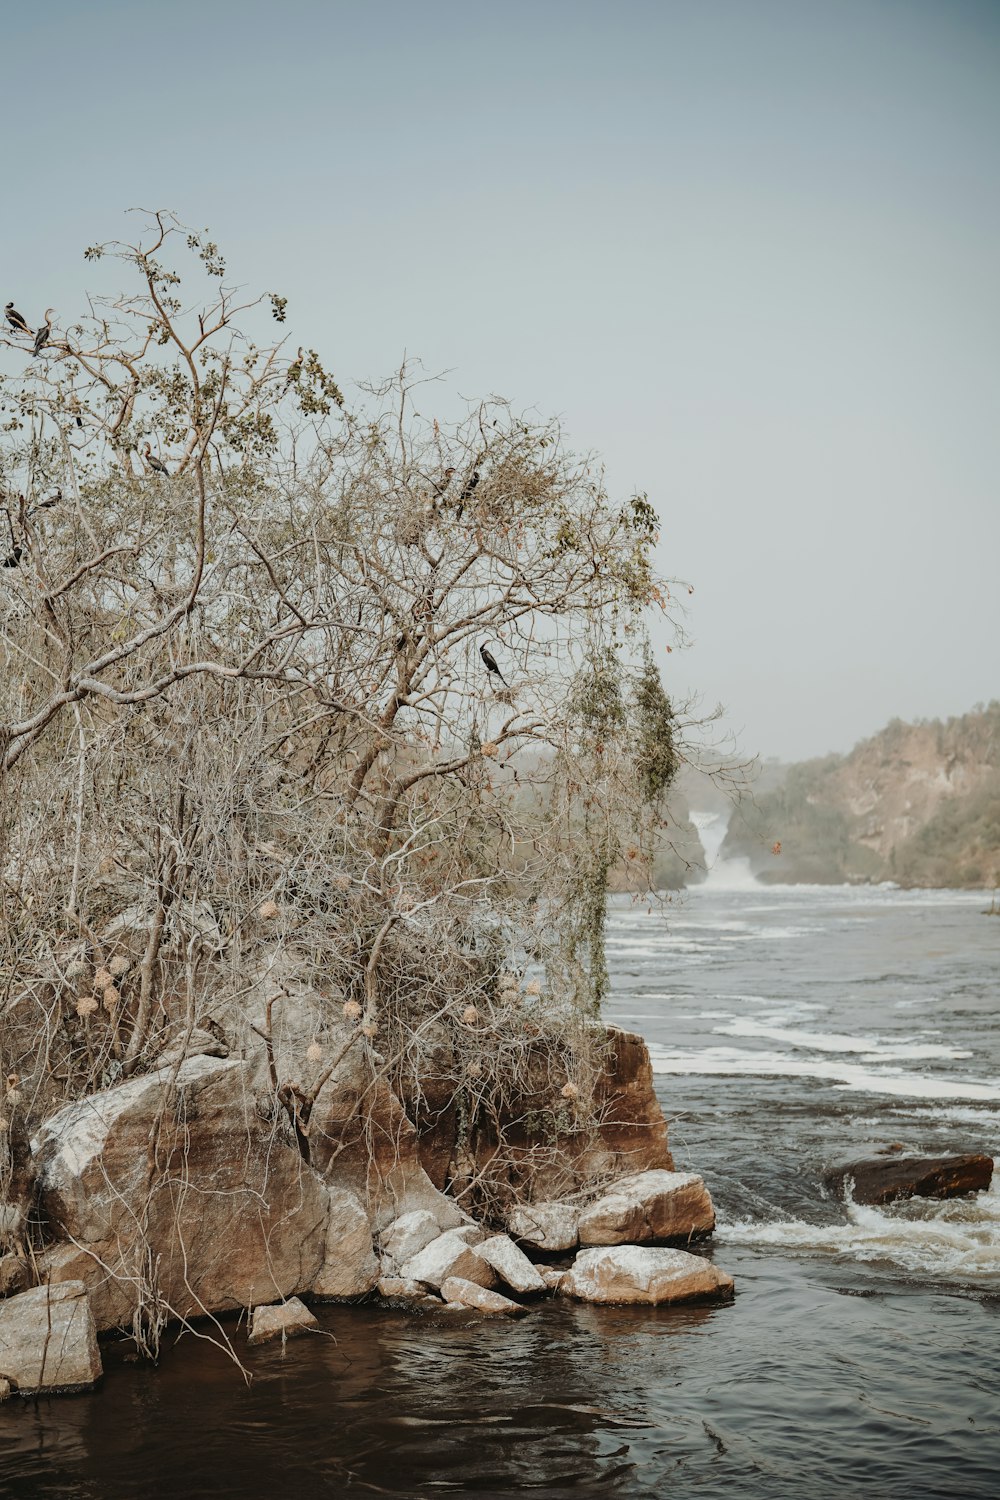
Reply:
x=466, y=494
x=16, y=321
x=490, y=663
x=154, y=463
x=42, y=336
x=445, y=480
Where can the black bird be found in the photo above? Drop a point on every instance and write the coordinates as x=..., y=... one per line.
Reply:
x=13, y=558
x=15, y=320
x=466, y=494
x=154, y=463
x=490, y=663
x=42, y=336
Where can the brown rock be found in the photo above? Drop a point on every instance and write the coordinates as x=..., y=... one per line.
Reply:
x=883, y=1179
x=282, y=1320
x=13, y=1275
x=175, y=1171
x=641, y=1273
x=48, y=1341
x=468, y=1294
x=350, y=1266
x=653, y=1206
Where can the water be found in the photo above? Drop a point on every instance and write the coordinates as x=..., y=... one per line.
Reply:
x=789, y=1028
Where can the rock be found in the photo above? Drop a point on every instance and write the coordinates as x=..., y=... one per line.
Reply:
x=4, y=1390
x=649, y=1206
x=111, y=1297
x=540, y=1143
x=199, y=1043
x=883, y=1179
x=13, y=1275
x=468, y=1294
x=176, y=1171
x=400, y=1288
x=450, y=1255
x=545, y=1226
x=640, y=1273
x=48, y=1340
x=552, y=1277
x=282, y=1320
x=510, y=1264
x=350, y=1266
x=408, y=1235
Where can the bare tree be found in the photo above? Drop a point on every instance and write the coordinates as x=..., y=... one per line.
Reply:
x=284, y=678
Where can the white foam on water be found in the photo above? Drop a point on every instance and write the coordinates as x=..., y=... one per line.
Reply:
x=873, y=1048
x=735, y=1062
x=954, y=1240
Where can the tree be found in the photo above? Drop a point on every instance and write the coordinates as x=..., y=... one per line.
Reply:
x=245, y=718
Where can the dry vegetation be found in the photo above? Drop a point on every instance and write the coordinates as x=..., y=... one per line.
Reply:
x=244, y=720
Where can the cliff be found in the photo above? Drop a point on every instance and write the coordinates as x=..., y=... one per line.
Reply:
x=918, y=804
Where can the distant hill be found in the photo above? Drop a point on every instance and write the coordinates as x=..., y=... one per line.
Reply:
x=917, y=803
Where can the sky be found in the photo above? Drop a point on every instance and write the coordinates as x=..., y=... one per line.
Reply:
x=748, y=250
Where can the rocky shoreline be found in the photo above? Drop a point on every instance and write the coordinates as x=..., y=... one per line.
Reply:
x=179, y=1195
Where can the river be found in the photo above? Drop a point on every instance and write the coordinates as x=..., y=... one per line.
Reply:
x=789, y=1028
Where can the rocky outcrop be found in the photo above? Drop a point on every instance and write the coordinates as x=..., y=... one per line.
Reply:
x=884, y=1179
x=534, y=1147
x=283, y=1320
x=651, y=1206
x=639, y=1273
x=173, y=1191
x=350, y=1266
x=48, y=1340
x=470, y=1294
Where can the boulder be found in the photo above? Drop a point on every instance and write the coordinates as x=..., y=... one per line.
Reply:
x=282, y=1320
x=48, y=1340
x=535, y=1144
x=450, y=1255
x=408, y=1235
x=641, y=1273
x=883, y=1179
x=510, y=1264
x=653, y=1206
x=456, y=1289
x=176, y=1171
x=350, y=1266
x=545, y=1226
x=399, y=1288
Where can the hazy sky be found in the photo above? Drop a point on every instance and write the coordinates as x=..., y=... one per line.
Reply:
x=748, y=249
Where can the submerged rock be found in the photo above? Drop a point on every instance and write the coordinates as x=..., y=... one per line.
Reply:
x=282, y=1320
x=48, y=1340
x=545, y=1226
x=464, y=1293
x=884, y=1179
x=641, y=1273
x=649, y=1206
